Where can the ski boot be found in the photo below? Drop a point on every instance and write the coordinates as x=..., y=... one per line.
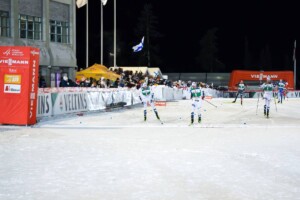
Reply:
x=145, y=115
x=156, y=115
x=265, y=110
x=199, y=119
x=192, y=119
x=267, y=113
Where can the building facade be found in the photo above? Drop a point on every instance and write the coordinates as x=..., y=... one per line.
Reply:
x=49, y=25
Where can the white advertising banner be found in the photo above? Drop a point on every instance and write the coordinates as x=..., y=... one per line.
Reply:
x=293, y=94
x=70, y=102
x=178, y=93
x=158, y=95
x=135, y=97
x=95, y=101
x=128, y=98
x=107, y=97
x=44, y=105
x=168, y=94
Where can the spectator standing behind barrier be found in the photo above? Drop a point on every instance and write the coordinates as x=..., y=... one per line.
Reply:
x=103, y=83
x=42, y=82
x=241, y=89
x=66, y=82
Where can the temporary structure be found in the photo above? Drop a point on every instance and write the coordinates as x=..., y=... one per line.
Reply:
x=257, y=77
x=97, y=71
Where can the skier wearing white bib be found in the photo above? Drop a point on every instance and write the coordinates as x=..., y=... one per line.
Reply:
x=197, y=96
x=147, y=95
x=268, y=93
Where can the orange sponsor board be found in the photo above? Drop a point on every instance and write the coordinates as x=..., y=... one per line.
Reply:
x=208, y=97
x=12, y=79
x=238, y=75
x=19, y=68
x=160, y=103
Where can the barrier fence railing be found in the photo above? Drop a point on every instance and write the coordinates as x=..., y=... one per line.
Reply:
x=57, y=101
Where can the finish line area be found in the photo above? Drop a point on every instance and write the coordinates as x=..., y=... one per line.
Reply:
x=216, y=113
x=232, y=154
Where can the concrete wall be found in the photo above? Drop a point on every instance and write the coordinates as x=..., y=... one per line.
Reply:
x=54, y=57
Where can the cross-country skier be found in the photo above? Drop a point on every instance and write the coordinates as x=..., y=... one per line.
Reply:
x=281, y=88
x=241, y=89
x=197, y=95
x=147, y=95
x=268, y=93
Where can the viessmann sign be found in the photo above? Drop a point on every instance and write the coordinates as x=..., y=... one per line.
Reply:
x=238, y=75
x=263, y=76
x=19, y=67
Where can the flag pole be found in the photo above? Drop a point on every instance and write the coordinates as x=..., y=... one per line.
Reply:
x=295, y=72
x=101, y=53
x=115, y=52
x=87, y=35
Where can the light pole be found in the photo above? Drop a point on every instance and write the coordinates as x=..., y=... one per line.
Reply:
x=101, y=45
x=87, y=34
x=115, y=33
x=295, y=72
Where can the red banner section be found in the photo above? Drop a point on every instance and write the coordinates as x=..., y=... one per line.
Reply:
x=238, y=75
x=19, y=70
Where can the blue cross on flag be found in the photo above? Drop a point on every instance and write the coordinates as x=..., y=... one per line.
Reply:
x=138, y=47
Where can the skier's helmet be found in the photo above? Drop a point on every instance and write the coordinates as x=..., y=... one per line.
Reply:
x=194, y=84
x=144, y=85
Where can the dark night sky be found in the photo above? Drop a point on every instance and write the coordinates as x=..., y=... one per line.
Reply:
x=184, y=24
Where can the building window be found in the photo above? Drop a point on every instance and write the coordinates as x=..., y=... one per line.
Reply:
x=59, y=31
x=4, y=24
x=30, y=27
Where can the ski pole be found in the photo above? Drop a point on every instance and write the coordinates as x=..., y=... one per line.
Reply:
x=210, y=103
x=257, y=102
x=275, y=104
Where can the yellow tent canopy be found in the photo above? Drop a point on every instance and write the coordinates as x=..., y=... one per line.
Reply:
x=97, y=71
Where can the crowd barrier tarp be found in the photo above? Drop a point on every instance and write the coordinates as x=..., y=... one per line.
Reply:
x=95, y=101
x=178, y=94
x=107, y=97
x=290, y=94
x=135, y=97
x=44, y=105
x=158, y=92
x=57, y=101
x=294, y=94
x=69, y=102
x=128, y=98
x=167, y=93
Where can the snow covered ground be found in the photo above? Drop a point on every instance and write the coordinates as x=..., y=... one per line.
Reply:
x=233, y=154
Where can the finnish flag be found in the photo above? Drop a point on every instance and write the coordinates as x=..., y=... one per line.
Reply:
x=138, y=47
